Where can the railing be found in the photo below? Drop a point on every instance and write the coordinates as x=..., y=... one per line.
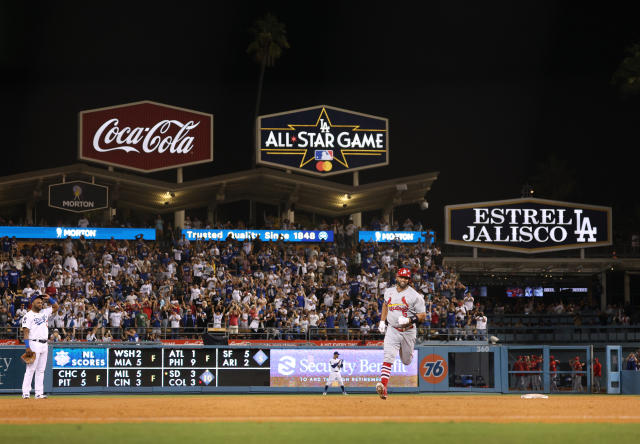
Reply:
x=566, y=334
x=506, y=335
x=291, y=334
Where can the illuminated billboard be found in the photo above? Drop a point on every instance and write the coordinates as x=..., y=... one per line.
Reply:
x=528, y=225
x=296, y=367
x=78, y=196
x=322, y=140
x=146, y=136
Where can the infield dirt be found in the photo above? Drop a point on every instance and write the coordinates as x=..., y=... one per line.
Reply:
x=316, y=408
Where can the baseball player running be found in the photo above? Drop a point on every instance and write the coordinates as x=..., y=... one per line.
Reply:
x=334, y=375
x=36, y=331
x=403, y=309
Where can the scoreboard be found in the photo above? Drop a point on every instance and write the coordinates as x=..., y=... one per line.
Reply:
x=186, y=367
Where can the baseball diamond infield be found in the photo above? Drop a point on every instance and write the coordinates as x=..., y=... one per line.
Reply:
x=278, y=418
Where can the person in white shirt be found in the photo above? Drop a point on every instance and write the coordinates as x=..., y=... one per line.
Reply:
x=481, y=326
x=115, y=318
x=35, y=329
x=175, y=319
x=468, y=302
x=70, y=263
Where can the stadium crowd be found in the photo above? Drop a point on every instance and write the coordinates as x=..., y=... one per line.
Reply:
x=143, y=290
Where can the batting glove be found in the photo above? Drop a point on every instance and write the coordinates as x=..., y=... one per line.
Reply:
x=382, y=327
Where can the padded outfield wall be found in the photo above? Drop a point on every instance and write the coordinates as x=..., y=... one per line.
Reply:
x=122, y=367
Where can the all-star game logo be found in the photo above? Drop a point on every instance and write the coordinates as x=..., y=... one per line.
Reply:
x=323, y=140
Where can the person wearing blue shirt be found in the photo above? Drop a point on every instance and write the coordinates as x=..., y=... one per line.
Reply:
x=14, y=277
x=331, y=320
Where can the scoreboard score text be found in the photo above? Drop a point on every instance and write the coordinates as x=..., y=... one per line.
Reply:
x=121, y=367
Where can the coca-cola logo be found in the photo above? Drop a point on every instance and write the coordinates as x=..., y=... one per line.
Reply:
x=146, y=136
x=148, y=139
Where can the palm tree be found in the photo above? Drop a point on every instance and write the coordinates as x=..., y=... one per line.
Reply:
x=627, y=76
x=270, y=40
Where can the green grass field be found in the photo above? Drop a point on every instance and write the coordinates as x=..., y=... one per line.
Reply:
x=321, y=433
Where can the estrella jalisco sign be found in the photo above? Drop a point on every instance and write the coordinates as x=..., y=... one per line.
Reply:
x=322, y=140
x=528, y=225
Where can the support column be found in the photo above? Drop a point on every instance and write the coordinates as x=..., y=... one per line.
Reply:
x=178, y=216
x=291, y=215
x=210, y=214
x=356, y=217
x=386, y=215
x=29, y=213
x=603, y=295
x=627, y=288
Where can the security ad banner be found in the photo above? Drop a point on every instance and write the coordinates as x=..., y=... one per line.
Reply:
x=528, y=225
x=295, y=367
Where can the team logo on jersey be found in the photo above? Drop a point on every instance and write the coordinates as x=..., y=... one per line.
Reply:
x=403, y=306
x=39, y=321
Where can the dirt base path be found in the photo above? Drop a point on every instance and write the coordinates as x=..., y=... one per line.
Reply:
x=317, y=408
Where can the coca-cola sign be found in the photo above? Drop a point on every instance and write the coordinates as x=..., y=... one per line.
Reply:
x=146, y=136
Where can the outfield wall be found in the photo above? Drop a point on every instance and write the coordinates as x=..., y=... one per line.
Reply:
x=130, y=368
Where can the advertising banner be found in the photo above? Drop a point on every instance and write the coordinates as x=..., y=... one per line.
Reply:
x=406, y=237
x=310, y=368
x=75, y=233
x=322, y=140
x=11, y=369
x=78, y=196
x=263, y=235
x=298, y=342
x=528, y=225
x=79, y=358
x=146, y=136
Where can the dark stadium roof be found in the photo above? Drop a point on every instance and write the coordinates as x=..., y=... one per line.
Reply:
x=264, y=185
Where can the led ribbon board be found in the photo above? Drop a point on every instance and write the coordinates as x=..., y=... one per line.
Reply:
x=528, y=225
x=322, y=140
x=263, y=235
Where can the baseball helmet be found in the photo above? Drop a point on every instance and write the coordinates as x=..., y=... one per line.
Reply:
x=404, y=272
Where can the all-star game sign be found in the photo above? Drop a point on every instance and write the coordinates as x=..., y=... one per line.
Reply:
x=323, y=140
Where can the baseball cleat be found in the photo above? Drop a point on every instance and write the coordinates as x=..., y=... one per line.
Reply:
x=324, y=394
x=382, y=390
x=25, y=396
x=41, y=396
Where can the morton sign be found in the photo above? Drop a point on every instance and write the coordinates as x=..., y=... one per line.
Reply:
x=528, y=225
x=146, y=136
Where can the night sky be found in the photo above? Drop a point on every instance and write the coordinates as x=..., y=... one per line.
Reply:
x=481, y=91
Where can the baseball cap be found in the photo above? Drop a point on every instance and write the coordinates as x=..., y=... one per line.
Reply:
x=336, y=353
x=35, y=296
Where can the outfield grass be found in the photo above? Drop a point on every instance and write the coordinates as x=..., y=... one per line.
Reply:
x=321, y=433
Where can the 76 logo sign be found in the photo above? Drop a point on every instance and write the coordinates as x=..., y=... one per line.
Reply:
x=433, y=369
